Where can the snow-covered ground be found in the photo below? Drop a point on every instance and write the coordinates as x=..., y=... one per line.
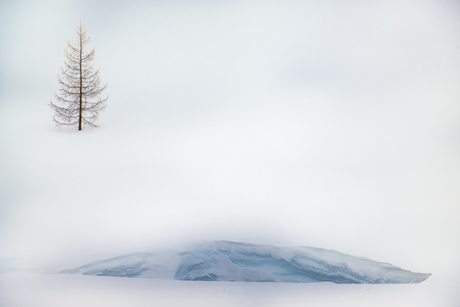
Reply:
x=55, y=290
x=286, y=123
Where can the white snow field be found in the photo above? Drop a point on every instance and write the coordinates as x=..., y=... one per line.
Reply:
x=333, y=124
x=55, y=290
x=234, y=261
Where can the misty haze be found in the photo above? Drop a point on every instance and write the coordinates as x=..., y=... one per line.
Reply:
x=281, y=123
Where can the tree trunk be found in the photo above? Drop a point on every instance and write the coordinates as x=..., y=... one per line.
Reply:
x=81, y=86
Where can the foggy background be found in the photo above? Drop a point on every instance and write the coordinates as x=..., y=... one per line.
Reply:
x=318, y=123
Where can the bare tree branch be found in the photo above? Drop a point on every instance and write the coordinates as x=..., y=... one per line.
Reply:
x=80, y=99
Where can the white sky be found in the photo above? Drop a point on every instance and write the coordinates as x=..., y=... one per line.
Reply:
x=318, y=123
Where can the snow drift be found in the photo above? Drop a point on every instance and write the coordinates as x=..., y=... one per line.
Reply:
x=232, y=261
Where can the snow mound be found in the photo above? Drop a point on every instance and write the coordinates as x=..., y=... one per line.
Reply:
x=243, y=262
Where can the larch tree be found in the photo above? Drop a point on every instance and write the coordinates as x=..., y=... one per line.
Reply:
x=80, y=99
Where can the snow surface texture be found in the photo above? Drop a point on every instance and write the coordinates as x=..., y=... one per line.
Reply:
x=232, y=261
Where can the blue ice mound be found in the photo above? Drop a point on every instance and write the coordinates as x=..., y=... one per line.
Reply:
x=242, y=262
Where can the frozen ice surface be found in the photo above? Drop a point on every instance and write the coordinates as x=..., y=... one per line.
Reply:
x=243, y=262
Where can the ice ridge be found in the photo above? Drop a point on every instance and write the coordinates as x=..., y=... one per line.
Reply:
x=243, y=262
